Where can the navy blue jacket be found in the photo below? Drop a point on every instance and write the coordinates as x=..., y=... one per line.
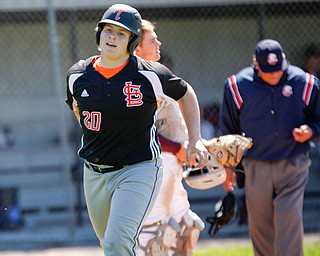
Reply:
x=268, y=114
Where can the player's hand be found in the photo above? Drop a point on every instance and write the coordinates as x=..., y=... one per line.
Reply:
x=302, y=134
x=230, y=181
x=199, y=151
x=182, y=156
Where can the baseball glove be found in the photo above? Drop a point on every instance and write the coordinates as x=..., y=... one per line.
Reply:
x=229, y=149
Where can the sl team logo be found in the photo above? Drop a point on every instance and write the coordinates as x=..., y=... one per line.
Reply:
x=287, y=90
x=133, y=94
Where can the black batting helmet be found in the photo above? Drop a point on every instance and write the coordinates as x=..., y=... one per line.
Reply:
x=124, y=16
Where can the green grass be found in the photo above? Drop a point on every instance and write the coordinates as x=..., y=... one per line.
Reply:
x=310, y=249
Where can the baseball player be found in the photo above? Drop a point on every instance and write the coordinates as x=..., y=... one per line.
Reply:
x=277, y=105
x=114, y=96
x=171, y=227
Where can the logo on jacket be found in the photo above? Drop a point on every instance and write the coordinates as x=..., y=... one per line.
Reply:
x=287, y=91
x=272, y=58
x=133, y=93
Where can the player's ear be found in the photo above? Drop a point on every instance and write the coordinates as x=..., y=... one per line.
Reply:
x=138, y=51
x=255, y=63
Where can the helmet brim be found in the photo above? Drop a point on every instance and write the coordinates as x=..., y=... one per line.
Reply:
x=108, y=21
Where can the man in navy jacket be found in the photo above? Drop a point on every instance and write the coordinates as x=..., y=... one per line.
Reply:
x=278, y=106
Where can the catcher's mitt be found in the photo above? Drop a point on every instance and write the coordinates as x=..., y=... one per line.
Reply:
x=229, y=149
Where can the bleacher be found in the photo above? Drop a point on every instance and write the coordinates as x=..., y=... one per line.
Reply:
x=44, y=189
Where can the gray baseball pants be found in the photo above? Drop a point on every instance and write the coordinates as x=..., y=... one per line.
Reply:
x=274, y=196
x=118, y=202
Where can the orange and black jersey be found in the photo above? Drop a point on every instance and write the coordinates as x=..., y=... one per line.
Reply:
x=118, y=115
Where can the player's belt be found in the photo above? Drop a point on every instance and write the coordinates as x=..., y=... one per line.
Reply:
x=102, y=168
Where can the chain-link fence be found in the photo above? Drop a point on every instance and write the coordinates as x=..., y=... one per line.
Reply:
x=39, y=136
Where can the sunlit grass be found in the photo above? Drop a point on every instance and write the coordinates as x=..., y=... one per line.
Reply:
x=310, y=249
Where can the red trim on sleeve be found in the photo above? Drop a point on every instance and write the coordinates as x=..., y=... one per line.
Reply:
x=308, y=89
x=234, y=90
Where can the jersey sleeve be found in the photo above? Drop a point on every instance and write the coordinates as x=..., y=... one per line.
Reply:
x=169, y=85
x=229, y=112
x=173, y=86
x=73, y=73
x=70, y=79
x=313, y=110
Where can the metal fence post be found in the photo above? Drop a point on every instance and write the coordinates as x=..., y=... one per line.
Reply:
x=52, y=26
